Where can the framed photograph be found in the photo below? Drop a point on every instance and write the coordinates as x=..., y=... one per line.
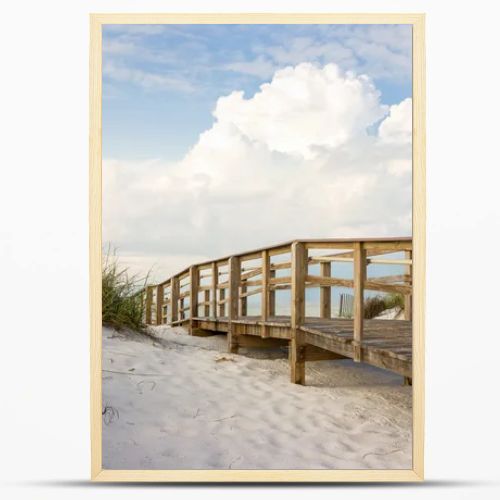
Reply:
x=257, y=247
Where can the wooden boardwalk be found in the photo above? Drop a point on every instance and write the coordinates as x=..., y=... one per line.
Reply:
x=212, y=297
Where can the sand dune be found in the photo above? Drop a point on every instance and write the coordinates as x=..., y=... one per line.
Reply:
x=182, y=402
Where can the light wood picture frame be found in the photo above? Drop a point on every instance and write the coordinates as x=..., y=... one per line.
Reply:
x=419, y=250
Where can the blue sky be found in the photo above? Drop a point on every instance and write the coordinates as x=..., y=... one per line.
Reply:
x=202, y=122
x=161, y=82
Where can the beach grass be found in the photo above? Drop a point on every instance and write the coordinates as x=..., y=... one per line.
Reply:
x=122, y=296
x=373, y=306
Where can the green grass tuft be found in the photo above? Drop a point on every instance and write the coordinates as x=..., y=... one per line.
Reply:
x=122, y=296
x=376, y=305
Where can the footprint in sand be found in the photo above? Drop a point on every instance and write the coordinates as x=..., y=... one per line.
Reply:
x=144, y=385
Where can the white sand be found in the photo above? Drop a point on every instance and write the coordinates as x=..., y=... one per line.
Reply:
x=183, y=403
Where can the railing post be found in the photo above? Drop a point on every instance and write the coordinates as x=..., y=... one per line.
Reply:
x=206, y=299
x=359, y=283
x=298, y=312
x=325, y=294
x=264, y=309
x=243, y=301
x=272, y=296
x=408, y=298
x=234, y=284
x=215, y=281
x=222, y=304
x=149, y=303
x=174, y=298
x=194, y=279
x=159, y=304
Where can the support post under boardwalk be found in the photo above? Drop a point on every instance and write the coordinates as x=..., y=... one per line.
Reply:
x=359, y=284
x=325, y=294
x=174, y=298
x=234, y=284
x=298, y=313
x=194, y=280
x=408, y=297
x=159, y=304
x=264, y=304
x=149, y=302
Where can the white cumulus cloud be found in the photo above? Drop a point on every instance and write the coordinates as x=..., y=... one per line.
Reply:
x=298, y=159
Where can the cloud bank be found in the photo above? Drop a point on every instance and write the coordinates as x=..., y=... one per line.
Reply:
x=314, y=153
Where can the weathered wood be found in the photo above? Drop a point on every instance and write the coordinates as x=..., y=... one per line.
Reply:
x=250, y=274
x=245, y=294
x=314, y=353
x=249, y=256
x=397, y=262
x=408, y=298
x=174, y=297
x=330, y=258
x=182, y=308
x=326, y=281
x=180, y=321
x=349, y=256
x=283, y=286
x=326, y=244
x=201, y=332
x=253, y=283
x=394, y=278
x=272, y=294
x=206, y=303
x=148, y=308
x=369, y=355
x=215, y=280
x=371, y=284
x=394, y=246
x=387, y=287
x=222, y=302
x=281, y=265
x=234, y=285
x=358, y=310
x=243, y=300
x=159, y=304
x=259, y=342
x=387, y=344
x=298, y=312
x=280, y=250
x=264, y=303
x=371, y=260
x=280, y=280
x=325, y=295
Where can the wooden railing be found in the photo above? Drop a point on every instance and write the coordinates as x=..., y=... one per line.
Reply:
x=187, y=296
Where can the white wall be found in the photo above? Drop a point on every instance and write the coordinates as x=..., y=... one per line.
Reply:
x=44, y=240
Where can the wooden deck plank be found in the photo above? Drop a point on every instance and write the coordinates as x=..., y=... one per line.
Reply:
x=386, y=343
